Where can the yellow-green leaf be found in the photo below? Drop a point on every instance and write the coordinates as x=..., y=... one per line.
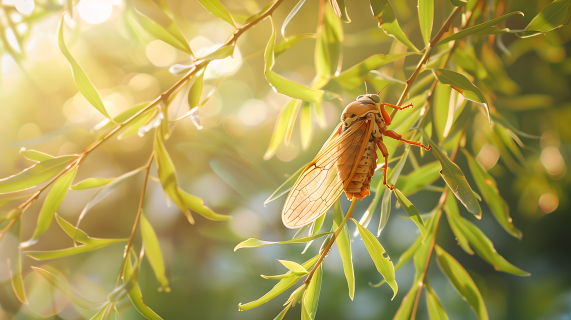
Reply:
x=418, y=179
x=136, y=296
x=34, y=155
x=478, y=28
x=344, y=245
x=553, y=16
x=282, y=85
x=355, y=75
x=35, y=175
x=91, y=183
x=217, y=9
x=426, y=18
x=412, y=212
x=255, y=243
x=380, y=257
x=461, y=84
x=340, y=10
x=435, y=309
x=453, y=215
x=286, y=119
x=311, y=296
x=384, y=12
x=306, y=125
x=462, y=281
x=82, y=82
x=286, y=186
x=195, y=91
x=153, y=251
x=197, y=205
x=291, y=16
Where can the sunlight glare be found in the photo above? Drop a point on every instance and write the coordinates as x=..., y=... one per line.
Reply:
x=95, y=11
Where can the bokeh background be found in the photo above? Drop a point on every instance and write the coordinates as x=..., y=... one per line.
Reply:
x=41, y=109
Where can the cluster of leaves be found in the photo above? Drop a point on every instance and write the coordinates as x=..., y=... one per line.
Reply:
x=454, y=86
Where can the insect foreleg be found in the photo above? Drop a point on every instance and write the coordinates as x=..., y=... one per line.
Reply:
x=395, y=135
x=385, y=153
x=396, y=107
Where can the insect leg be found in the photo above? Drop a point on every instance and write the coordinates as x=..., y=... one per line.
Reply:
x=397, y=107
x=395, y=135
x=385, y=153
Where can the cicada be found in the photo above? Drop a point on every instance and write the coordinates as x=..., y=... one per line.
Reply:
x=346, y=162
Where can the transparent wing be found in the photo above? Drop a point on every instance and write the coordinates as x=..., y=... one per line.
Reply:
x=319, y=186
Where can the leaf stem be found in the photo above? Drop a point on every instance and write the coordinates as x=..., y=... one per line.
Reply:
x=425, y=57
x=332, y=240
x=137, y=217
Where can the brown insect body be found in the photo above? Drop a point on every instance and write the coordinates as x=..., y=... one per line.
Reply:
x=347, y=162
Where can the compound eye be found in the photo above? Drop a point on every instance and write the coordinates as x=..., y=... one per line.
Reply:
x=375, y=98
x=359, y=97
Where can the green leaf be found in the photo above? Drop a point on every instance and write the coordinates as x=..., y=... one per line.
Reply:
x=72, y=232
x=134, y=128
x=489, y=190
x=459, y=125
x=217, y=9
x=553, y=16
x=306, y=125
x=340, y=10
x=409, y=253
x=286, y=119
x=153, y=251
x=220, y=53
x=167, y=175
x=453, y=215
x=426, y=18
x=282, y=85
x=91, y=183
x=384, y=12
x=311, y=295
x=10, y=251
x=314, y=229
x=344, y=245
x=279, y=288
x=328, y=48
x=197, y=205
x=354, y=76
x=380, y=257
x=435, y=309
x=286, y=186
x=385, y=209
x=462, y=281
x=136, y=296
x=291, y=16
x=285, y=45
x=411, y=211
x=482, y=27
x=455, y=179
x=156, y=22
x=418, y=179
x=461, y=84
x=107, y=190
x=195, y=91
x=104, y=313
x=121, y=117
x=293, y=266
x=51, y=204
x=82, y=82
x=34, y=155
x=459, y=3
x=282, y=314
x=255, y=243
x=62, y=285
x=441, y=108
x=35, y=175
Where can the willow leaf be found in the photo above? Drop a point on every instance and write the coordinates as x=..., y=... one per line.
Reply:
x=355, y=75
x=344, y=245
x=311, y=296
x=35, y=175
x=461, y=84
x=136, y=296
x=553, y=16
x=291, y=16
x=217, y=9
x=412, y=212
x=34, y=155
x=197, y=205
x=478, y=28
x=426, y=18
x=384, y=12
x=153, y=251
x=255, y=243
x=91, y=183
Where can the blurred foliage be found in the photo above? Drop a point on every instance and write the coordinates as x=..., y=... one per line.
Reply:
x=152, y=131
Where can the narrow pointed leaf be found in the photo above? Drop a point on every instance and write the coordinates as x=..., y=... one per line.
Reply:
x=285, y=45
x=462, y=281
x=282, y=85
x=286, y=186
x=314, y=229
x=340, y=9
x=91, y=183
x=384, y=12
x=411, y=211
x=453, y=215
x=311, y=296
x=279, y=288
x=380, y=257
x=344, y=245
x=217, y=9
x=34, y=155
x=461, y=84
x=385, y=210
x=426, y=17
x=62, y=285
x=121, y=117
x=455, y=179
x=478, y=28
x=220, y=53
x=285, y=121
x=136, y=296
x=82, y=82
x=167, y=175
x=553, y=16
x=153, y=251
x=197, y=205
x=306, y=125
x=489, y=190
x=255, y=243
x=293, y=266
x=35, y=175
x=195, y=91
x=103, y=313
x=73, y=232
x=10, y=251
x=291, y=16
x=435, y=309
x=53, y=200
x=355, y=75
x=420, y=178
x=282, y=314
x=459, y=3
x=93, y=244
x=134, y=128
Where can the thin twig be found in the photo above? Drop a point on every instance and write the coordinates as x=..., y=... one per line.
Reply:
x=137, y=217
x=332, y=240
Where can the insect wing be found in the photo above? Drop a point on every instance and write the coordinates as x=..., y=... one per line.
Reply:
x=319, y=186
